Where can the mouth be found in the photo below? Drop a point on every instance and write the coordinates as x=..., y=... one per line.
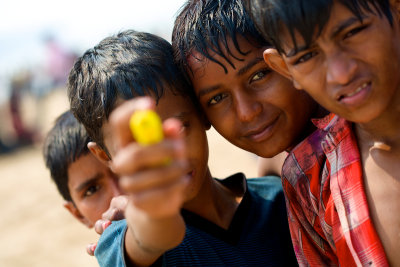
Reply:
x=356, y=95
x=262, y=133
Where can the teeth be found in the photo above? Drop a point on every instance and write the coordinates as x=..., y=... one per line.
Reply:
x=358, y=90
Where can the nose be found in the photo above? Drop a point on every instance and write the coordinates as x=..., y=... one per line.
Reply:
x=340, y=68
x=247, y=107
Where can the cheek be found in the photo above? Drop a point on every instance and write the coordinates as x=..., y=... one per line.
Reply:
x=97, y=210
x=225, y=126
x=97, y=206
x=221, y=118
x=198, y=148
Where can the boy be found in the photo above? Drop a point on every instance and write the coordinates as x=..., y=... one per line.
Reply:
x=85, y=183
x=177, y=213
x=252, y=107
x=346, y=55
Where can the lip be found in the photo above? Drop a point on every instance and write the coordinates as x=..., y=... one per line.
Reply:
x=262, y=133
x=355, y=96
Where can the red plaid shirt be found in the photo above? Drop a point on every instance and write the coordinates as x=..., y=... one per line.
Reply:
x=327, y=207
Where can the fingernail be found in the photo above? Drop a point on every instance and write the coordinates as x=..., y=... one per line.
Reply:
x=106, y=224
x=93, y=247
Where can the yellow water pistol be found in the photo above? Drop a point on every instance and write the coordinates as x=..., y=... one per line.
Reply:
x=146, y=127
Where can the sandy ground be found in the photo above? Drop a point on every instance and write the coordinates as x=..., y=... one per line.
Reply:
x=35, y=230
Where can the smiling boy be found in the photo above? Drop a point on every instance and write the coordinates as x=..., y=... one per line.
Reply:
x=346, y=55
x=178, y=214
x=250, y=105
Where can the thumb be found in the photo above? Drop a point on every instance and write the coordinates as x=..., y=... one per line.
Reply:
x=173, y=129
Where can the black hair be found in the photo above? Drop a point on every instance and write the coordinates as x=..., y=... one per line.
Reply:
x=307, y=17
x=205, y=26
x=121, y=66
x=64, y=144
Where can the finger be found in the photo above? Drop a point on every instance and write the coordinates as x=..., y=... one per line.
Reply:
x=134, y=157
x=119, y=119
x=153, y=178
x=101, y=225
x=113, y=214
x=90, y=248
x=162, y=202
x=173, y=129
x=117, y=208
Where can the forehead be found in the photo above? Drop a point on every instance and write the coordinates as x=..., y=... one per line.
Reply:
x=225, y=52
x=84, y=168
x=172, y=104
x=230, y=60
x=340, y=16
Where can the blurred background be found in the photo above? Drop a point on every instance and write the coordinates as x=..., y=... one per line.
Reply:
x=39, y=41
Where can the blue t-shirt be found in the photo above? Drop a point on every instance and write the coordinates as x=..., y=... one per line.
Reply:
x=257, y=236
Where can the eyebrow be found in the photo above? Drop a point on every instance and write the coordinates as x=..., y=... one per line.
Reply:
x=240, y=72
x=249, y=65
x=344, y=24
x=295, y=51
x=208, y=90
x=88, y=182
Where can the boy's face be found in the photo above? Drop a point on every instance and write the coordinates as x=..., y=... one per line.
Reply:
x=352, y=68
x=194, y=128
x=251, y=106
x=92, y=186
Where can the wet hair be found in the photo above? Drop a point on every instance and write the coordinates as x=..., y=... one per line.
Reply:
x=307, y=17
x=206, y=26
x=122, y=66
x=65, y=143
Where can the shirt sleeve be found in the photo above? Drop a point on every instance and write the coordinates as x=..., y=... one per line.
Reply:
x=310, y=246
x=110, y=247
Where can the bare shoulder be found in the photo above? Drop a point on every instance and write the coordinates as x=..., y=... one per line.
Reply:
x=382, y=185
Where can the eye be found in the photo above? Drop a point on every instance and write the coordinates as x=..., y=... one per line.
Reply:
x=185, y=124
x=259, y=75
x=216, y=99
x=354, y=31
x=91, y=190
x=305, y=57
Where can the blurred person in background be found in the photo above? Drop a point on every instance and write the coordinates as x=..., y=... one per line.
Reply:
x=59, y=61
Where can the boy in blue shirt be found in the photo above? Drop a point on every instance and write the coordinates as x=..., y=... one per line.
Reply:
x=177, y=213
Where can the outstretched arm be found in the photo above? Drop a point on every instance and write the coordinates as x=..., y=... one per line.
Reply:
x=155, y=191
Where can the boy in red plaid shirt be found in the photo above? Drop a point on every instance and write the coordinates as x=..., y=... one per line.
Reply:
x=342, y=182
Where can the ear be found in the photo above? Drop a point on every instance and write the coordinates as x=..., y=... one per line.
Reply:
x=206, y=122
x=275, y=61
x=208, y=125
x=99, y=153
x=70, y=206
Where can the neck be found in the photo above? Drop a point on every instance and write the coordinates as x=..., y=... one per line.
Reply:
x=319, y=113
x=385, y=129
x=214, y=202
